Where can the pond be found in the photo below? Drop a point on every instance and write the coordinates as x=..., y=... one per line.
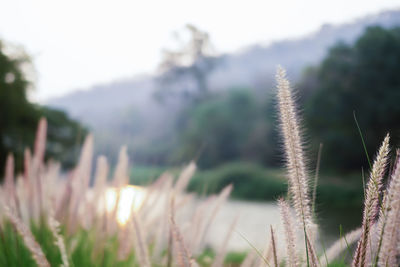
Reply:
x=255, y=219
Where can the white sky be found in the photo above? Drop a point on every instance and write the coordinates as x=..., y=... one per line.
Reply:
x=79, y=43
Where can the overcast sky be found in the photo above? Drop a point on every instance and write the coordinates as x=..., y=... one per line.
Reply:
x=79, y=43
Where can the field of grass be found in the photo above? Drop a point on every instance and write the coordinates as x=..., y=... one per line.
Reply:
x=47, y=219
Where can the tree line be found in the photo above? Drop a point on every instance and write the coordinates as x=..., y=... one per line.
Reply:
x=19, y=117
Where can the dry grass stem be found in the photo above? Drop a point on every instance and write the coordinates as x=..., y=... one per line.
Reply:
x=291, y=251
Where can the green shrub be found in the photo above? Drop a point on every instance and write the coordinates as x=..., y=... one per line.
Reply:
x=250, y=181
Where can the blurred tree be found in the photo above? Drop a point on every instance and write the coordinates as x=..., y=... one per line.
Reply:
x=19, y=117
x=229, y=126
x=64, y=136
x=364, y=79
x=184, y=70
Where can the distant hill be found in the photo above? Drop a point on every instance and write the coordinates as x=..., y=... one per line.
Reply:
x=114, y=106
x=251, y=68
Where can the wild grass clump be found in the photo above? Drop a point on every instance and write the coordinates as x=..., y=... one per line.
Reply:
x=50, y=218
x=379, y=236
x=54, y=219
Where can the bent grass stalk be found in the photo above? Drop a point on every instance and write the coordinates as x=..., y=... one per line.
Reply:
x=29, y=240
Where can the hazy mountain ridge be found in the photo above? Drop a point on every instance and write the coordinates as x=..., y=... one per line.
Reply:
x=254, y=67
x=258, y=62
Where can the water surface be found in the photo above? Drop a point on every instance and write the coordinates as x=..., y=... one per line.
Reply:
x=255, y=220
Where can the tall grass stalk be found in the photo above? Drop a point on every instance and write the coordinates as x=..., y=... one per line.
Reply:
x=291, y=247
x=295, y=161
x=273, y=246
x=371, y=203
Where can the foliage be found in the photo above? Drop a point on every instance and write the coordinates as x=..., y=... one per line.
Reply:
x=250, y=181
x=239, y=125
x=235, y=258
x=15, y=252
x=19, y=117
x=363, y=79
x=145, y=175
x=226, y=127
x=342, y=193
x=64, y=135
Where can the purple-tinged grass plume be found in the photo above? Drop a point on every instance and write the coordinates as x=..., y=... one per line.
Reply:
x=371, y=203
x=389, y=250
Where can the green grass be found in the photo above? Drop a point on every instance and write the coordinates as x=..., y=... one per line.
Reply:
x=338, y=264
x=250, y=181
x=235, y=258
x=13, y=251
x=232, y=259
x=145, y=175
x=82, y=248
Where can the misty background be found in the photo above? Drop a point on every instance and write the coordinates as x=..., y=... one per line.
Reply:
x=207, y=92
x=149, y=113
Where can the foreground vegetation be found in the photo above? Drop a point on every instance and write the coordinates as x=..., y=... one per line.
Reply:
x=47, y=220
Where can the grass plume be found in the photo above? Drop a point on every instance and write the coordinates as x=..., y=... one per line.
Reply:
x=371, y=203
x=389, y=251
x=59, y=240
x=294, y=152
